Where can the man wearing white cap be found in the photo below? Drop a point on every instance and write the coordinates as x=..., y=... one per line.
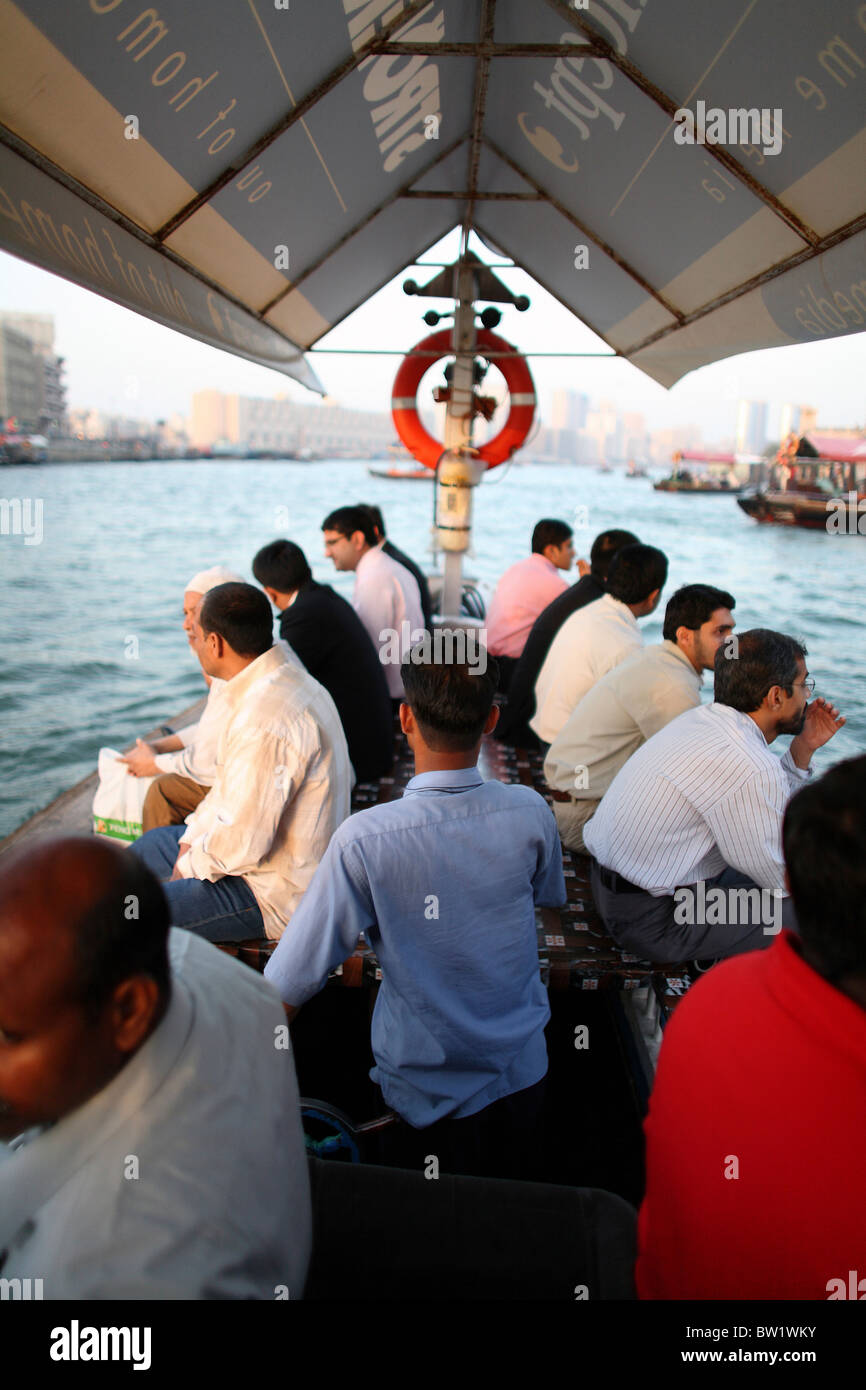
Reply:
x=183, y=763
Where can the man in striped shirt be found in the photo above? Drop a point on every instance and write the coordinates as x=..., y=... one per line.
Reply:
x=687, y=840
x=631, y=703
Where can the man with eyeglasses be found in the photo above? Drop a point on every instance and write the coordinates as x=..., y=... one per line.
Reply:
x=687, y=841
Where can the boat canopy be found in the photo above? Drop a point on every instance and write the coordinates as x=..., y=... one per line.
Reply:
x=249, y=172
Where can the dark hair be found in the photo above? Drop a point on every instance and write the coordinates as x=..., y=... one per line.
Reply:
x=450, y=699
x=692, y=606
x=375, y=515
x=282, y=565
x=824, y=838
x=348, y=520
x=549, y=532
x=241, y=615
x=635, y=572
x=754, y=662
x=605, y=547
x=123, y=933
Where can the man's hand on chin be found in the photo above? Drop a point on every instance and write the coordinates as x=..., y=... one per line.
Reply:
x=822, y=721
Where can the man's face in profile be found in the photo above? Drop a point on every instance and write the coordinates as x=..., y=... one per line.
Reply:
x=793, y=712
x=52, y=1056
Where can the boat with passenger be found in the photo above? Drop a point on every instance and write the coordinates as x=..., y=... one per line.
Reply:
x=817, y=482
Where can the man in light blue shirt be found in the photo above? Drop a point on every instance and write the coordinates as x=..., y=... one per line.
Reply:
x=444, y=884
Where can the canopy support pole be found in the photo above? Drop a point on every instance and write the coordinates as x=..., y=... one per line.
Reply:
x=458, y=471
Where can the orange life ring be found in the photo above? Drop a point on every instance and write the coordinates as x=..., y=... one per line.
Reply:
x=404, y=409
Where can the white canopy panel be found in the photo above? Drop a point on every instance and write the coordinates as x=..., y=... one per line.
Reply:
x=251, y=171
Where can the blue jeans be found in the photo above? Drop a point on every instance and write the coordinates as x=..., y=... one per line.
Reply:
x=223, y=911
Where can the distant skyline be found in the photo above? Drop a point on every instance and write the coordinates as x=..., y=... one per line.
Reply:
x=124, y=364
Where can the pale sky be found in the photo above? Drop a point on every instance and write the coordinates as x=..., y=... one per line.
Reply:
x=122, y=363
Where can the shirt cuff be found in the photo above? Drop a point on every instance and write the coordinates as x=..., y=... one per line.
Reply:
x=801, y=773
x=168, y=762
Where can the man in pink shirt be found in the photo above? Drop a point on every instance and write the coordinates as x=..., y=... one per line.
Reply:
x=524, y=591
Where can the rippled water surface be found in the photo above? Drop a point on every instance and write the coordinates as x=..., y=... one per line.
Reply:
x=92, y=648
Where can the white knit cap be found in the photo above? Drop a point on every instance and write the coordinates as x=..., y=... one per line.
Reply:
x=206, y=580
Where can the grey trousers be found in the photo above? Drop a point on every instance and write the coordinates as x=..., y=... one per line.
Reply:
x=695, y=923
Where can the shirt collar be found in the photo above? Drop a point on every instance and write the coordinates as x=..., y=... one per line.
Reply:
x=238, y=686
x=458, y=779
x=626, y=612
x=543, y=561
x=674, y=650
x=736, y=716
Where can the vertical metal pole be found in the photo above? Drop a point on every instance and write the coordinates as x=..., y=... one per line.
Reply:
x=458, y=473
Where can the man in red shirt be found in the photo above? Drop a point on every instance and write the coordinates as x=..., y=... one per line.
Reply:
x=756, y=1134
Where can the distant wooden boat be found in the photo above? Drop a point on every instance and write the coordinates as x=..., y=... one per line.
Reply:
x=408, y=475
x=703, y=473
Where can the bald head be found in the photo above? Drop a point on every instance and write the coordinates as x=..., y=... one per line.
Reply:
x=84, y=975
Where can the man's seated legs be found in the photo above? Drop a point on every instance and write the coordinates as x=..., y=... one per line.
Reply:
x=169, y=800
x=222, y=911
x=695, y=922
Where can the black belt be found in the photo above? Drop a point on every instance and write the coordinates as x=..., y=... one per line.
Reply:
x=615, y=883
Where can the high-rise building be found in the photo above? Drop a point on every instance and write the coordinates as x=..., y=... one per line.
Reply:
x=31, y=374
x=569, y=410
x=751, y=427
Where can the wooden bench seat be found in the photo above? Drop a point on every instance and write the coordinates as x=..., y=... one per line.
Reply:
x=574, y=950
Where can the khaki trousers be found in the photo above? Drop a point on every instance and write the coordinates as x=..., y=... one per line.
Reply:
x=169, y=800
x=571, y=817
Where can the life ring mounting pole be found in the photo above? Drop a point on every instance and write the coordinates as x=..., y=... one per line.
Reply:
x=458, y=472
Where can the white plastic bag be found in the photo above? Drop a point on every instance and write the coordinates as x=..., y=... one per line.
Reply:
x=119, y=799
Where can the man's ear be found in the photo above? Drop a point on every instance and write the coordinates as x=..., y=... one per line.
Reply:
x=492, y=719
x=134, y=1005
x=407, y=719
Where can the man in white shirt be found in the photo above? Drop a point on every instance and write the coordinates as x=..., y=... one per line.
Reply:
x=687, y=841
x=148, y=1100
x=386, y=596
x=598, y=637
x=242, y=862
x=631, y=703
x=183, y=762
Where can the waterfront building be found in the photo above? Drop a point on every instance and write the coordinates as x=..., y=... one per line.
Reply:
x=278, y=425
x=32, y=390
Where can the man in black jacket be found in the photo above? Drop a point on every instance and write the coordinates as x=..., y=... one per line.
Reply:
x=513, y=726
x=332, y=642
x=406, y=561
